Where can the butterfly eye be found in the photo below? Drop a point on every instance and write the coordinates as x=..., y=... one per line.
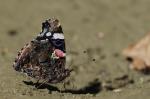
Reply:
x=45, y=24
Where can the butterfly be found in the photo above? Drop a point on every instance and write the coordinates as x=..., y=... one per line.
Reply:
x=44, y=58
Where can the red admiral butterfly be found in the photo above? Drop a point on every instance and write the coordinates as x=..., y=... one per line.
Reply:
x=44, y=57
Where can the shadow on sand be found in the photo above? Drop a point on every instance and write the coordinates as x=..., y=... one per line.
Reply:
x=92, y=88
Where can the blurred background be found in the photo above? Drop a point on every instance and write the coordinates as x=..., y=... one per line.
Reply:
x=96, y=32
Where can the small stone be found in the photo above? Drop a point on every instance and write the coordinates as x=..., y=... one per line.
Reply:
x=100, y=35
x=117, y=90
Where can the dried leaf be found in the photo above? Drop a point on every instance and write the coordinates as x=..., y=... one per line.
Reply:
x=139, y=54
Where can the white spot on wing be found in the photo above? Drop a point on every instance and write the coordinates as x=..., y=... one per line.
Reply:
x=48, y=34
x=58, y=36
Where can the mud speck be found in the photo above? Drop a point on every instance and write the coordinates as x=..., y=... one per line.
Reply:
x=12, y=32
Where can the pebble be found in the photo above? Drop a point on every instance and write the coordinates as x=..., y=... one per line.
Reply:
x=100, y=35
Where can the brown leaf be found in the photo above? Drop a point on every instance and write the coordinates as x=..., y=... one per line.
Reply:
x=139, y=54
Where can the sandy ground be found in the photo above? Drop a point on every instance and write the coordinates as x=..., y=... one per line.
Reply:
x=96, y=31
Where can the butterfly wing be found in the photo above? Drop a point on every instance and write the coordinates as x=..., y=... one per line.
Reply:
x=44, y=58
